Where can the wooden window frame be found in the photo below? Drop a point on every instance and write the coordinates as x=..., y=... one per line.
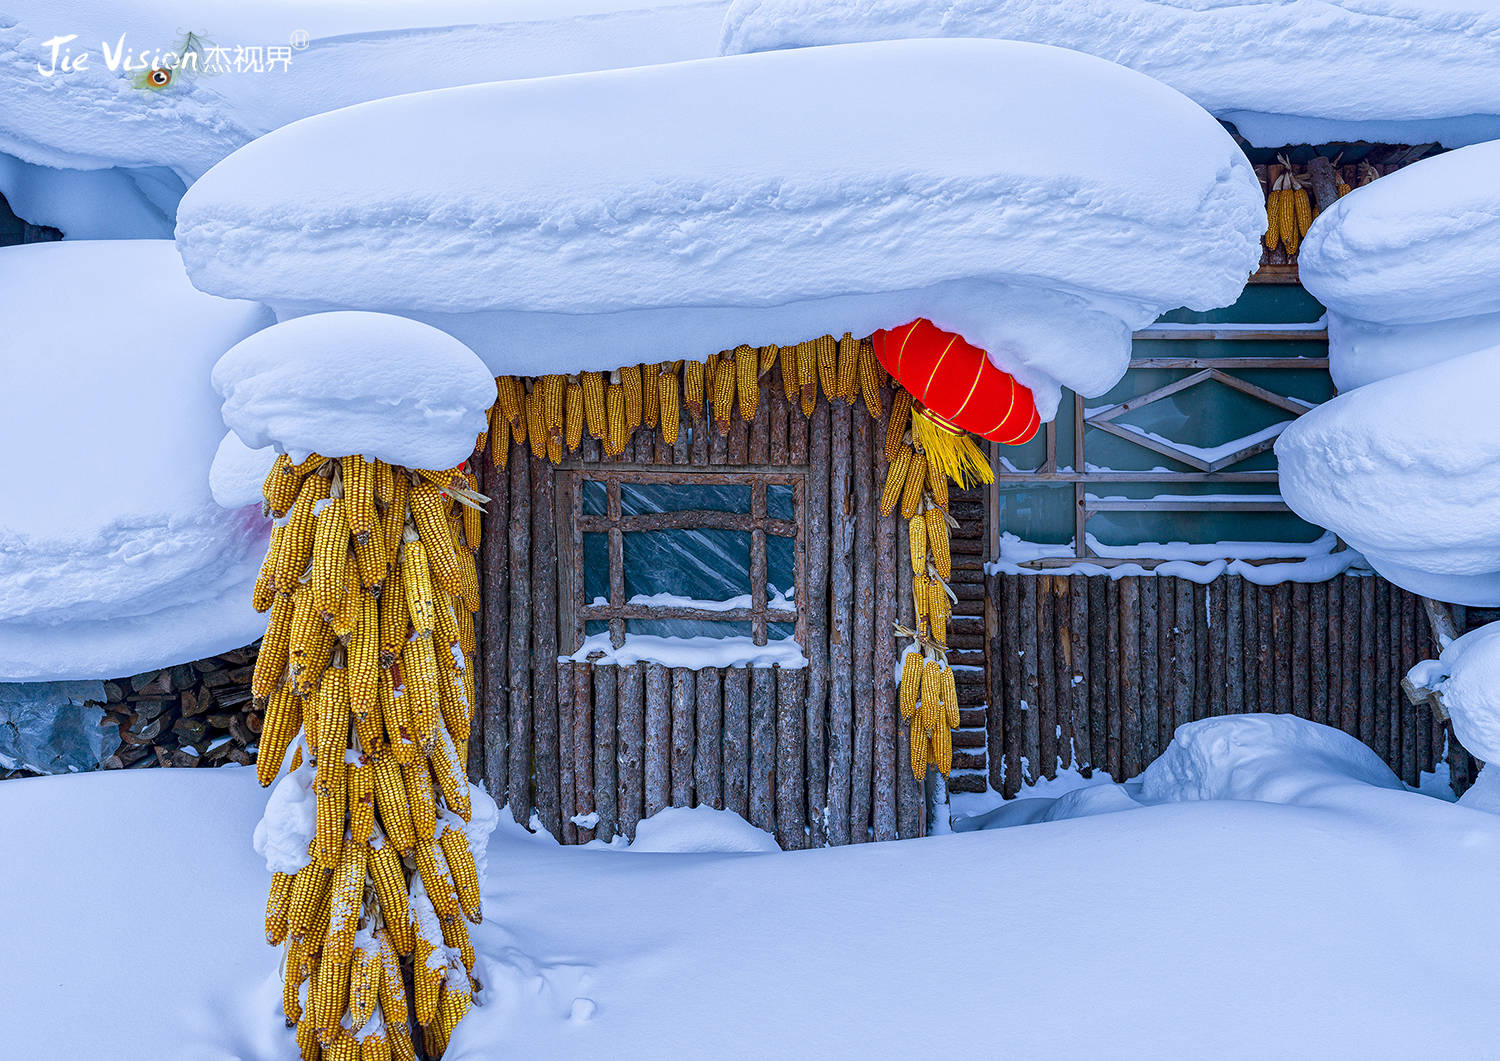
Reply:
x=575, y=612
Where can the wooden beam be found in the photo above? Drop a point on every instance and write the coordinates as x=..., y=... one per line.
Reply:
x=1229, y=333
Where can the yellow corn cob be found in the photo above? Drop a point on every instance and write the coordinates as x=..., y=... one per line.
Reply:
x=420, y=798
x=592, y=384
x=283, y=717
x=395, y=717
x=370, y=558
x=931, y=696
x=390, y=891
x=331, y=985
x=281, y=483
x=937, y=485
x=310, y=643
x=509, y=399
x=918, y=751
x=1343, y=189
x=826, y=357
x=453, y=700
x=391, y=803
x=277, y=904
x=416, y=580
x=419, y=674
x=297, y=967
x=692, y=389
x=937, y=612
x=425, y=985
x=942, y=750
x=429, y=510
x=448, y=770
x=788, y=359
x=911, y=683
x=364, y=658
x=573, y=417
x=630, y=379
x=361, y=785
x=768, y=356
x=264, y=593
x=330, y=554
x=296, y=543
x=917, y=536
x=455, y=847
x=895, y=479
x=394, y=617
x=937, y=542
x=807, y=379
x=554, y=404
x=392, y=986
x=711, y=376
x=472, y=516
x=348, y=896
x=499, y=438
x=308, y=888
x=465, y=620
x=919, y=600
x=359, y=496
x=913, y=487
x=393, y=519
x=328, y=788
x=847, y=371
x=950, y=697
x=364, y=986
x=270, y=663
x=900, y=423
x=747, y=380
x=468, y=573
x=384, y=479
x=614, y=409
x=650, y=396
x=723, y=396
x=869, y=379
x=341, y=1047
x=374, y=1047
x=439, y=888
x=1273, y=218
x=1302, y=208
x=445, y=628
x=1291, y=238
x=307, y=1037
x=346, y=618
x=536, y=421
x=666, y=397
x=333, y=712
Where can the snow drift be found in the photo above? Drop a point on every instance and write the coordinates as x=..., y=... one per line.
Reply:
x=350, y=383
x=125, y=154
x=113, y=555
x=1409, y=266
x=1470, y=688
x=1285, y=72
x=759, y=199
x=1407, y=471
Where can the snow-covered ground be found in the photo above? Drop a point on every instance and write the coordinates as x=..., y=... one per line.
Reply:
x=1351, y=920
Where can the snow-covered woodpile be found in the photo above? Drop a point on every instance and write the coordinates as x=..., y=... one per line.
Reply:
x=190, y=714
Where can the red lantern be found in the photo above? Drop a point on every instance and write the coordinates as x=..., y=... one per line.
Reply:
x=956, y=384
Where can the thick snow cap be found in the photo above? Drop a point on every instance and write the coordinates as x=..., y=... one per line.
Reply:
x=345, y=384
x=1040, y=202
x=1471, y=691
x=127, y=152
x=1407, y=471
x=1285, y=72
x=114, y=557
x=1409, y=266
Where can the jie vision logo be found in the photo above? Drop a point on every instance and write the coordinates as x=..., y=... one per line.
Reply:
x=161, y=67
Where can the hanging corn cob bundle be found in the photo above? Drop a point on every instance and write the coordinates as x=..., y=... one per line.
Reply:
x=1289, y=212
x=366, y=679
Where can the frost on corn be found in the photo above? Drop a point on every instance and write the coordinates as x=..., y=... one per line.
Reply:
x=289, y=823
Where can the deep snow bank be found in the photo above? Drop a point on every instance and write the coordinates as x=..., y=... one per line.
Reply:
x=113, y=555
x=143, y=147
x=1409, y=266
x=1471, y=690
x=760, y=199
x=1407, y=471
x=348, y=383
x=1289, y=71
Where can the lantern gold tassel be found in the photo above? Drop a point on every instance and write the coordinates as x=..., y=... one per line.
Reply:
x=951, y=450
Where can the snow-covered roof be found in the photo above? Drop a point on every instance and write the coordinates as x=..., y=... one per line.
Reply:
x=353, y=383
x=113, y=555
x=1407, y=470
x=760, y=198
x=1285, y=72
x=97, y=119
x=1409, y=266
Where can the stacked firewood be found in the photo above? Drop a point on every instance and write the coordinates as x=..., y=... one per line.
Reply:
x=193, y=714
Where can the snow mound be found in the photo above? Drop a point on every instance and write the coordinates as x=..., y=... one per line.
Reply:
x=1293, y=71
x=126, y=154
x=238, y=474
x=700, y=830
x=289, y=823
x=684, y=212
x=1409, y=266
x=1407, y=471
x=1268, y=758
x=1471, y=691
x=349, y=383
x=114, y=557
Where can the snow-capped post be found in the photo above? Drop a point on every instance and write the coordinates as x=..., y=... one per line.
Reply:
x=374, y=837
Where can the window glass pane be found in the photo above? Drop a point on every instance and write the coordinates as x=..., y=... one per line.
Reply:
x=636, y=498
x=780, y=631
x=595, y=498
x=781, y=566
x=780, y=501
x=705, y=565
x=595, y=567
x=685, y=628
x=595, y=626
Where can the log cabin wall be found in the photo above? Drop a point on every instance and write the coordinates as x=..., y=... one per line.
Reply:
x=815, y=755
x=1100, y=672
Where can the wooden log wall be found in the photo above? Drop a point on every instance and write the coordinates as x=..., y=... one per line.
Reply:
x=815, y=755
x=1100, y=672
